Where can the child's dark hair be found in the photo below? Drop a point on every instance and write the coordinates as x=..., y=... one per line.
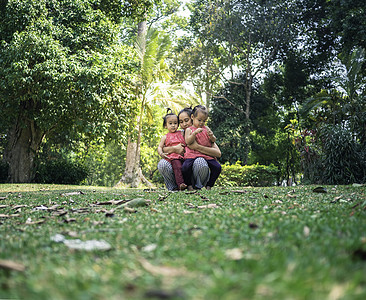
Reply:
x=187, y=110
x=168, y=114
x=200, y=108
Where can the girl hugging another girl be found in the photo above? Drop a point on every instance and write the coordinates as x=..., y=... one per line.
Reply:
x=203, y=136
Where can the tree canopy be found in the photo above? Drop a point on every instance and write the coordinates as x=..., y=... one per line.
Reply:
x=61, y=66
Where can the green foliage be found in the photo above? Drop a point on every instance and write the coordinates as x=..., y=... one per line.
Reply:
x=137, y=8
x=63, y=68
x=348, y=22
x=334, y=151
x=343, y=158
x=62, y=171
x=104, y=162
x=228, y=122
x=253, y=175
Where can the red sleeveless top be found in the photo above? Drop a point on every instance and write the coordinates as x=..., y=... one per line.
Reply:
x=173, y=139
x=203, y=139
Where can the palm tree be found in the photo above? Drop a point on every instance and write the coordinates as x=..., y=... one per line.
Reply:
x=153, y=87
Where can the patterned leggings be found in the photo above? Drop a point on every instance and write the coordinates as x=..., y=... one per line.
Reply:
x=201, y=173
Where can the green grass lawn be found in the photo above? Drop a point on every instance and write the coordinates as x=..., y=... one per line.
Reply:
x=227, y=243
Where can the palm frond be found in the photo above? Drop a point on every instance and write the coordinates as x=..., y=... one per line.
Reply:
x=313, y=103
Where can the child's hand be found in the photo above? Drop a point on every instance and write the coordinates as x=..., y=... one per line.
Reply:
x=179, y=149
x=211, y=135
x=198, y=130
x=209, y=132
x=164, y=155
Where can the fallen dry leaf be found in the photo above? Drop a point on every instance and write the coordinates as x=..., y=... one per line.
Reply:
x=11, y=265
x=203, y=198
x=9, y=216
x=188, y=212
x=82, y=210
x=149, y=248
x=234, y=254
x=162, y=197
x=19, y=206
x=59, y=213
x=95, y=223
x=69, y=220
x=30, y=222
x=109, y=213
x=112, y=202
x=73, y=193
x=239, y=191
x=336, y=199
x=165, y=271
x=129, y=210
x=89, y=245
x=191, y=192
x=54, y=207
x=211, y=205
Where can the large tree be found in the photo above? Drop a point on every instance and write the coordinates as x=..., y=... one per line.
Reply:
x=153, y=85
x=61, y=67
x=151, y=88
x=235, y=35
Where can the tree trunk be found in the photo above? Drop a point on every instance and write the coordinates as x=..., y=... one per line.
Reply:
x=24, y=140
x=133, y=176
x=130, y=176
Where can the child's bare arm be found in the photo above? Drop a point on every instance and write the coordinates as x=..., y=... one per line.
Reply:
x=161, y=146
x=211, y=151
x=211, y=135
x=189, y=136
x=179, y=149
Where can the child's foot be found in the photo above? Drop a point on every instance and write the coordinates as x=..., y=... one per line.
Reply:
x=190, y=188
x=208, y=188
x=182, y=186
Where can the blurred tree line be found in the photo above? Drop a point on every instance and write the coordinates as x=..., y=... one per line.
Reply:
x=284, y=81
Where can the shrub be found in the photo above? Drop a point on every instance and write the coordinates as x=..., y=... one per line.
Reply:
x=61, y=171
x=253, y=175
x=343, y=157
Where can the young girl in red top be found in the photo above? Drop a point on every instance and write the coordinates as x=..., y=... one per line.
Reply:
x=205, y=137
x=173, y=138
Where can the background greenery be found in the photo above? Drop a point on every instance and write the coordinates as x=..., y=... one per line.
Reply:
x=284, y=81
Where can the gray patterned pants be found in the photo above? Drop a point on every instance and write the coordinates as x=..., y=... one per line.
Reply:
x=201, y=173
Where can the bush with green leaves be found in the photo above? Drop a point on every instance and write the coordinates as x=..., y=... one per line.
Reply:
x=251, y=175
x=343, y=157
x=63, y=171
